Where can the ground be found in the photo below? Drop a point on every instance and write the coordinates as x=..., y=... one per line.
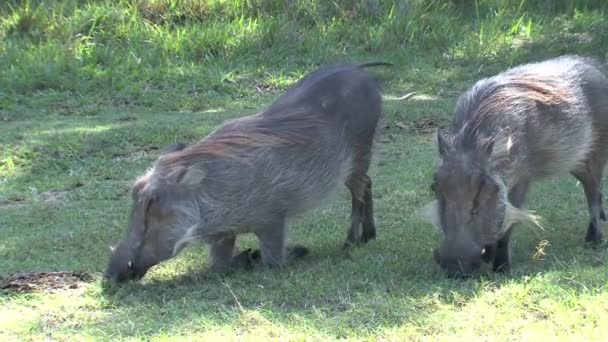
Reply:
x=91, y=90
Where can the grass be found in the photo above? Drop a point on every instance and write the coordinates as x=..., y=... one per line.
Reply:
x=90, y=90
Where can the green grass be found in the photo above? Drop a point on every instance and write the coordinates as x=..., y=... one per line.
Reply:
x=90, y=90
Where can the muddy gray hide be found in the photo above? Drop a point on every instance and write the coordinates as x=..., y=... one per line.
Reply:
x=252, y=174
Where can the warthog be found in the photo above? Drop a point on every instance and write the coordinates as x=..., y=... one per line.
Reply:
x=252, y=174
x=529, y=122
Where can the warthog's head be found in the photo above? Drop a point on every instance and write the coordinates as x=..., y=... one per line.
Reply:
x=471, y=208
x=163, y=219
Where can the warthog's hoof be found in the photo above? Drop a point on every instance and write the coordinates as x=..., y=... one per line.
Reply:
x=594, y=237
x=250, y=257
x=368, y=234
x=247, y=258
x=595, y=244
x=297, y=252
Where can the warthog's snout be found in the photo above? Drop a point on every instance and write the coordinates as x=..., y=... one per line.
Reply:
x=125, y=273
x=122, y=267
x=456, y=267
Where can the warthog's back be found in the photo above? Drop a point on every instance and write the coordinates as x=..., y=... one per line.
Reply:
x=286, y=178
x=550, y=113
x=344, y=93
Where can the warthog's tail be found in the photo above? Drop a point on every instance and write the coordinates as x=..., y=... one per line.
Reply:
x=373, y=64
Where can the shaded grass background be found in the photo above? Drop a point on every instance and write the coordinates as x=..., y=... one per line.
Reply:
x=74, y=56
x=90, y=90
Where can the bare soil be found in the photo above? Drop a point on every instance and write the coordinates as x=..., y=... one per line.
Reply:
x=43, y=281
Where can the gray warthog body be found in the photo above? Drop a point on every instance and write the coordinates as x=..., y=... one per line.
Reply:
x=532, y=121
x=253, y=173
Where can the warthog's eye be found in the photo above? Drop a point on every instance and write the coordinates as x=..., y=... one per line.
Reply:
x=474, y=211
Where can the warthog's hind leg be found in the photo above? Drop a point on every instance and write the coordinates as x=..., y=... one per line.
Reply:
x=590, y=176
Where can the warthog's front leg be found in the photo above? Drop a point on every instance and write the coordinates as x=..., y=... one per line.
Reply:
x=273, y=247
x=502, y=256
x=363, y=227
x=502, y=252
x=272, y=243
x=221, y=252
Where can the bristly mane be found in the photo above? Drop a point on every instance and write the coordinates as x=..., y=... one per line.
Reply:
x=264, y=130
x=503, y=94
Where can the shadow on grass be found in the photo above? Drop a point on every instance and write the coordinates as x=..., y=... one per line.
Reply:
x=390, y=282
x=63, y=153
x=69, y=187
x=331, y=294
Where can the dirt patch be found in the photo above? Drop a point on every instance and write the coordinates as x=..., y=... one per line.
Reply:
x=50, y=196
x=12, y=203
x=421, y=126
x=54, y=196
x=127, y=118
x=44, y=281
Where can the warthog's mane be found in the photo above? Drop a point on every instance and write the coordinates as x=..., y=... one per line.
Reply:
x=263, y=130
x=508, y=93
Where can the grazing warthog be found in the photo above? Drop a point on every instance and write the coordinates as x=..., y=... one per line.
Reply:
x=529, y=122
x=253, y=173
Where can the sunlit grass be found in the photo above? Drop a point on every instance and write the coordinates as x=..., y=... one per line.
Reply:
x=389, y=289
x=194, y=55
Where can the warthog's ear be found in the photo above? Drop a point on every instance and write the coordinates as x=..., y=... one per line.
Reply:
x=139, y=184
x=443, y=143
x=191, y=176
